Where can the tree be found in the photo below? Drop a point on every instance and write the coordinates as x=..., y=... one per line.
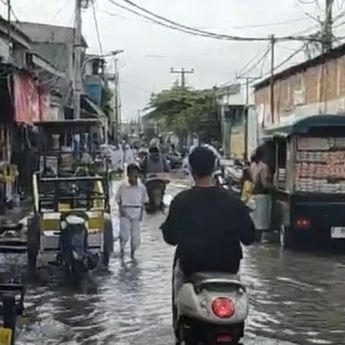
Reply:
x=185, y=111
x=107, y=103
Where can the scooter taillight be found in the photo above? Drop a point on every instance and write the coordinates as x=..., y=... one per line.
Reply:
x=223, y=307
x=224, y=339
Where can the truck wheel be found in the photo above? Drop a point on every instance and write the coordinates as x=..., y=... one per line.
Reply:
x=33, y=241
x=108, y=241
x=287, y=240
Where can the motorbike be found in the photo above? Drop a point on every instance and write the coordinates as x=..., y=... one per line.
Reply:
x=155, y=185
x=11, y=306
x=174, y=160
x=211, y=309
x=74, y=255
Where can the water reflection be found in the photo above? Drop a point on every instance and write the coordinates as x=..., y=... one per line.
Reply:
x=295, y=299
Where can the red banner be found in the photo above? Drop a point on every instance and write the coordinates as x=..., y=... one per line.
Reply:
x=26, y=99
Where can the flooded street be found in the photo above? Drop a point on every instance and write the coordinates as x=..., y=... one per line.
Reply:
x=295, y=299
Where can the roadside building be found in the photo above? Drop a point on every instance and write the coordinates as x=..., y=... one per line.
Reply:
x=25, y=91
x=56, y=45
x=316, y=86
x=239, y=122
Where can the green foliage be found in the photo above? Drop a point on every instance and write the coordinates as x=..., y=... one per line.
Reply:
x=107, y=103
x=184, y=111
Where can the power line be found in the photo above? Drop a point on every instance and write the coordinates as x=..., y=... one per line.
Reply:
x=12, y=11
x=193, y=31
x=97, y=28
x=263, y=25
x=60, y=10
x=258, y=62
x=191, y=28
x=249, y=62
x=244, y=26
x=179, y=27
x=290, y=57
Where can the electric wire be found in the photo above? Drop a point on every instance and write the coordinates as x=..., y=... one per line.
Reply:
x=196, y=32
x=97, y=28
x=185, y=26
x=247, y=70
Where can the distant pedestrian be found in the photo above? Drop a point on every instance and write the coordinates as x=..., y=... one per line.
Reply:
x=131, y=198
x=129, y=157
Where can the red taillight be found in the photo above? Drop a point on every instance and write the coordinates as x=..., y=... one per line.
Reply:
x=303, y=223
x=223, y=307
x=225, y=339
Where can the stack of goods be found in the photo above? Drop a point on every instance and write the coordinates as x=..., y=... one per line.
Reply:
x=320, y=169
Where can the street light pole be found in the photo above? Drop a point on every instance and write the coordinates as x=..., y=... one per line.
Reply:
x=117, y=102
x=77, y=87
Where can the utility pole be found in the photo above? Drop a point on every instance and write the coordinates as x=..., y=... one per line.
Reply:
x=183, y=73
x=78, y=49
x=9, y=10
x=328, y=24
x=117, y=102
x=273, y=41
x=248, y=80
x=77, y=87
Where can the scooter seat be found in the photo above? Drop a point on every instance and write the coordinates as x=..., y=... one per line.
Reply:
x=203, y=278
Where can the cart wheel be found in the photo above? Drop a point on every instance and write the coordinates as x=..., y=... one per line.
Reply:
x=108, y=241
x=287, y=240
x=33, y=243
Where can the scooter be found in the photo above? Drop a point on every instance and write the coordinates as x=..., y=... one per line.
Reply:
x=155, y=185
x=211, y=309
x=74, y=255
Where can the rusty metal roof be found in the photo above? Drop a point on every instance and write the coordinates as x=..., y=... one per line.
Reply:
x=318, y=60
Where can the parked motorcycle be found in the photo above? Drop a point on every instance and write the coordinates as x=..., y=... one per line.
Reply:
x=12, y=306
x=211, y=309
x=155, y=185
x=74, y=255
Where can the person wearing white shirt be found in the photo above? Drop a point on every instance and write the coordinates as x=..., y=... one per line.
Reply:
x=131, y=198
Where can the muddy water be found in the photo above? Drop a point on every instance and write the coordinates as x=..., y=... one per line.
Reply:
x=295, y=299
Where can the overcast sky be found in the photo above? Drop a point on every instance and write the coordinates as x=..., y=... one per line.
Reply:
x=151, y=50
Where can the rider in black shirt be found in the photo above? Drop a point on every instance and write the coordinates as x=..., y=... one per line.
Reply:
x=206, y=223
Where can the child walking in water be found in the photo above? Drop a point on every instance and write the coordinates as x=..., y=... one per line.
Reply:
x=131, y=198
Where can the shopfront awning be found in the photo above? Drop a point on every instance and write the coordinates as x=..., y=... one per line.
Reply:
x=307, y=125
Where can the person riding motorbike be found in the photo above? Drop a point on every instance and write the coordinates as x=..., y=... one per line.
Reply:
x=154, y=163
x=206, y=224
x=186, y=168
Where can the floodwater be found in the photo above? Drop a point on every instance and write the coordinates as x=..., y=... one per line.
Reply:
x=295, y=299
